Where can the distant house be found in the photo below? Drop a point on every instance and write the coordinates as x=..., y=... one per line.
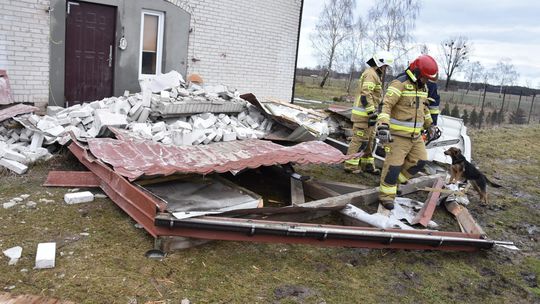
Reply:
x=62, y=52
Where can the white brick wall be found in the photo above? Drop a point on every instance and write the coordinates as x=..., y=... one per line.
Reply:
x=24, y=48
x=249, y=45
x=246, y=44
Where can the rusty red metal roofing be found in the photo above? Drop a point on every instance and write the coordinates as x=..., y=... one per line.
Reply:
x=134, y=158
x=15, y=110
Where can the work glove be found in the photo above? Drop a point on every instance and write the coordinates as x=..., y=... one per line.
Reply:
x=383, y=134
x=372, y=119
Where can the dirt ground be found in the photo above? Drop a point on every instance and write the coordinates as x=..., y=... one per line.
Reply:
x=100, y=251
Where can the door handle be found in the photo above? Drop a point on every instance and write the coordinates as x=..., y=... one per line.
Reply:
x=110, y=56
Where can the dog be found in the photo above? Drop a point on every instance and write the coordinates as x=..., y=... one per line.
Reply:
x=461, y=169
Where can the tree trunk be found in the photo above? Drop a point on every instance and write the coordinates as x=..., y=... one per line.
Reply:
x=349, y=81
x=500, y=91
x=447, y=83
x=468, y=87
x=321, y=85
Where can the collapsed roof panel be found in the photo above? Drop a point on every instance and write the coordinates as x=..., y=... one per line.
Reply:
x=15, y=110
x=134, y=158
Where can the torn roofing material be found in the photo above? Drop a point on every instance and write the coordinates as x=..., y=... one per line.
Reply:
x=16, y=110
x=134, y=158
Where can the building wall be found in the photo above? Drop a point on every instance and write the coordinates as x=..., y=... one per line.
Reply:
x=126, y=62
x=249, y=45
x=24, y=48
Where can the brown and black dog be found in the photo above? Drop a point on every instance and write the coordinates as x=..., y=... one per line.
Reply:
x=461, y=169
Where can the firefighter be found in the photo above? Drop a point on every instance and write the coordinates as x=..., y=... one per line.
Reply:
x=434, y=100
x=399, y=125
x=364, y=113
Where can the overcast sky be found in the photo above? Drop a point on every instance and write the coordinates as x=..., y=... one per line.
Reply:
x=497, y=29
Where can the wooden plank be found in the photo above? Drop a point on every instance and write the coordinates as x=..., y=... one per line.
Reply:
x=6, y=298
x=426, y=213
x=316, y=191
x=464, y=218
x=297, y=192
x=369, y=196
x=340, y=187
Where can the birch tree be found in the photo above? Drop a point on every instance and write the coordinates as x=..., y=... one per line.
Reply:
x=353, y=50
x=332, y=30
x=473, y=72
x=392, y=23
x=505, y=73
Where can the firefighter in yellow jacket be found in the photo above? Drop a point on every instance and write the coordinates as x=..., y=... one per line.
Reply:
x=404, y=114
x=364, y=113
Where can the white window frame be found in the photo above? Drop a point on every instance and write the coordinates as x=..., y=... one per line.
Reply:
x=161, y=21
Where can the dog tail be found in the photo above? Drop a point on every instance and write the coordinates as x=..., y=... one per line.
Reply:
x=492, y=184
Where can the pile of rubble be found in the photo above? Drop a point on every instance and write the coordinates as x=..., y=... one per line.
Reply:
x=178, y=114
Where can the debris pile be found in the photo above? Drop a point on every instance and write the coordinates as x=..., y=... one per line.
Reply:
x=167, y=111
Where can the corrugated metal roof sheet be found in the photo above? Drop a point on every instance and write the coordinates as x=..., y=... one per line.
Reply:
x=134, y=158
x=16, y=110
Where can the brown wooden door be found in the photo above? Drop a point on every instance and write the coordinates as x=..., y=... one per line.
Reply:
x=90, y=46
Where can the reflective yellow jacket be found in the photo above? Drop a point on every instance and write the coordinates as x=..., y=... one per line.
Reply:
x=405, y=108
x=368, y=97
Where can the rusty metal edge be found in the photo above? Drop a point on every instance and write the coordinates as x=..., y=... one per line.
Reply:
x=136, y=203
x=84, y=179
x=144, y=209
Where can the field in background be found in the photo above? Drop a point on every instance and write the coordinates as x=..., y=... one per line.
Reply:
x=336, y=89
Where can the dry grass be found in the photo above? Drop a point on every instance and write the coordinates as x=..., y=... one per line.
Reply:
x=109, y=266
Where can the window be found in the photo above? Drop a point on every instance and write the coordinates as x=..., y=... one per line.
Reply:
x=151, y=43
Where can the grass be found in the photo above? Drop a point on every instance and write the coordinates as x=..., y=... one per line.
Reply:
x=109, y=266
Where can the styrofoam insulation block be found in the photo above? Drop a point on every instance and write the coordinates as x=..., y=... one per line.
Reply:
x=12, y=155
x=14, y=254
x=229, y=136
x=145, y=113
x=165, y=96
x=181, y=138
x=84, y=112
x=105, y=118
x=209, y=138
x=146, y=98
x=45, y=124
x=126, y=93
x=135, y=108
x=56, y=131
x=15, y=136
x=53, y=110
x=167, y=140
x=78, y=197
x=219, y=135
x=13, y=166
x=24, y=137
x=45, y=255
x=9, y=204
x=181, y=125
x=159, y=127
x=88, y=120
x=121, y=106
x=159, y=136
x=37, y=141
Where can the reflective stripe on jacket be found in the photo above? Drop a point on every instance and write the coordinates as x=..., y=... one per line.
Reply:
x=369, y=94
x=404, y=108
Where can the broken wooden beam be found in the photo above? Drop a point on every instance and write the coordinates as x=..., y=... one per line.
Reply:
x=369, y=196
x=464, y=218
x=297, y=192
x=424, y=215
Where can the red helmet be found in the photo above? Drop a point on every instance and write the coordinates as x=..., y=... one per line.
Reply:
x=425, y=66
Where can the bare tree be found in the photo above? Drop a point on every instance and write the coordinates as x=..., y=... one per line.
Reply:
x=332, y=29
x=454, y=52
x=391, y=23
x=353, y=50
x=505, y=73
x=473, y=71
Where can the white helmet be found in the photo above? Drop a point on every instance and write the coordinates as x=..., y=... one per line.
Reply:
x=383, y=58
